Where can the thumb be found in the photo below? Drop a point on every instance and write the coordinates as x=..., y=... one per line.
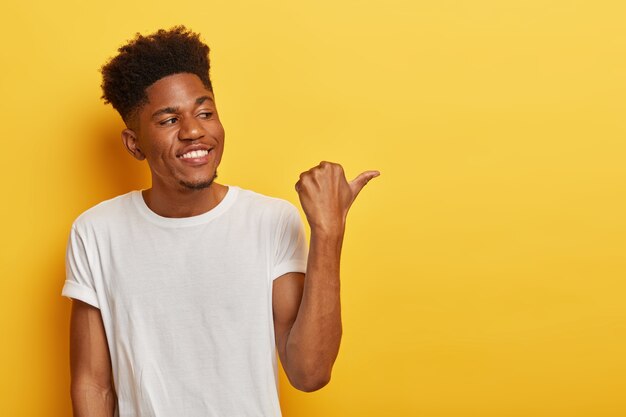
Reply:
x=359, y=182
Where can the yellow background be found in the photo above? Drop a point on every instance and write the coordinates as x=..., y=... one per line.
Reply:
x=483, y=273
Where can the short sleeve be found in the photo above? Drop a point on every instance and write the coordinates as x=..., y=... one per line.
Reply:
x=290, y=246
x=79, y=283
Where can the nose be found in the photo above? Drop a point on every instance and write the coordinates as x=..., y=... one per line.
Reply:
x=190, y=129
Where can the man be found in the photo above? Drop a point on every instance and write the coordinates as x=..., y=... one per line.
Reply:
x=184, y=292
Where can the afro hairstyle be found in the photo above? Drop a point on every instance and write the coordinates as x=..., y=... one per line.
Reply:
x=146, y=59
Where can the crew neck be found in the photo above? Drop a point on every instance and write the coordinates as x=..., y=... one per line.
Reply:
x=221, y=207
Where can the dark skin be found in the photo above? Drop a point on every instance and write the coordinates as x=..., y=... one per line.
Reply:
x=180, y=115
x=179, y=133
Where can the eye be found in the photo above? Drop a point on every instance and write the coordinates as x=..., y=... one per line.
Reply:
x=169, y=121
x=205, y=114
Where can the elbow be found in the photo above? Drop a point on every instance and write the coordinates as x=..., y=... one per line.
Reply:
x=311, y=385
x=311, y=381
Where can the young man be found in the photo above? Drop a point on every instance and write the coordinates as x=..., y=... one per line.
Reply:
x=184, y=292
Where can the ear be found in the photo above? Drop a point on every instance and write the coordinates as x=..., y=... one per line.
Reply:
x=129, y=138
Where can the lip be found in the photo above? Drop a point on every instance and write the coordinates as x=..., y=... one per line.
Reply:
x=190, y=148
x=196, y=161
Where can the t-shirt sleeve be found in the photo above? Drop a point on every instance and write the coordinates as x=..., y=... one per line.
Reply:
x=79, y=283
x=290, y=247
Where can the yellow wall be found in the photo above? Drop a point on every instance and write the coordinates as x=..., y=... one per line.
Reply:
x=484, y=271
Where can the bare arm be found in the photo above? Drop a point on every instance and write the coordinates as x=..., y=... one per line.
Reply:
x=92, y=389
x=307, y=310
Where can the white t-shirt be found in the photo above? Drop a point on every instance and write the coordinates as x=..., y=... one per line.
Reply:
x=187, y=302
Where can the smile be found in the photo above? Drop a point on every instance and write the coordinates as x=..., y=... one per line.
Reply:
x=195, y=154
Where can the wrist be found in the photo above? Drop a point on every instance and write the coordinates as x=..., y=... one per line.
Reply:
x=329, y=230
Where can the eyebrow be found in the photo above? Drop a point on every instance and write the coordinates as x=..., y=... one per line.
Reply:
x=165, y=110
x=169, y=110
x=202, y=99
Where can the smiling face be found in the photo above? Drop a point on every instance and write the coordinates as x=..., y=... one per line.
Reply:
x=179, y=133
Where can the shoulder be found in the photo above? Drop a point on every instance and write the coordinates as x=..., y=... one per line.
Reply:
x=105, y=212
x=272, y=212
x=255, y=201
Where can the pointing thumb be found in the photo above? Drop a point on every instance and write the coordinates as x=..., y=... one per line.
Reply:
x=359, y=182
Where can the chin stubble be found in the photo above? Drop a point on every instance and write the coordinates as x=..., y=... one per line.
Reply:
x=198, y=185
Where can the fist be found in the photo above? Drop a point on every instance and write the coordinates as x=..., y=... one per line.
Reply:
x=326, y=195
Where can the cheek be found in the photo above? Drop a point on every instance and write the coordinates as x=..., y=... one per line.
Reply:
x=159, y=145
x=156, y=152
x=219, y=134
x=219, y=148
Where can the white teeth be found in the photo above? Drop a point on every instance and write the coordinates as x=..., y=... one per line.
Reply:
x=195, y=154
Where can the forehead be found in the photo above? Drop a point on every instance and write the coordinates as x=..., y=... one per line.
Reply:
x=176, y=90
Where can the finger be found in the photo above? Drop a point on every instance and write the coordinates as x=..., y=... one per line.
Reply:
x=359, y=182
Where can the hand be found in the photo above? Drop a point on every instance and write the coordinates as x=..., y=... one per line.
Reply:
x=326, y=195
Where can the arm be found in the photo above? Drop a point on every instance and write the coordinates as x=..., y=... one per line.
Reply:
x=92, y=389
x=307, y=311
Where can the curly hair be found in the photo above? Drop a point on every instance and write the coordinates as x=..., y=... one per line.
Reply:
x=146, y=59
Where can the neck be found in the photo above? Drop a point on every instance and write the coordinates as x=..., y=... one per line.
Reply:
x=183, y=202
